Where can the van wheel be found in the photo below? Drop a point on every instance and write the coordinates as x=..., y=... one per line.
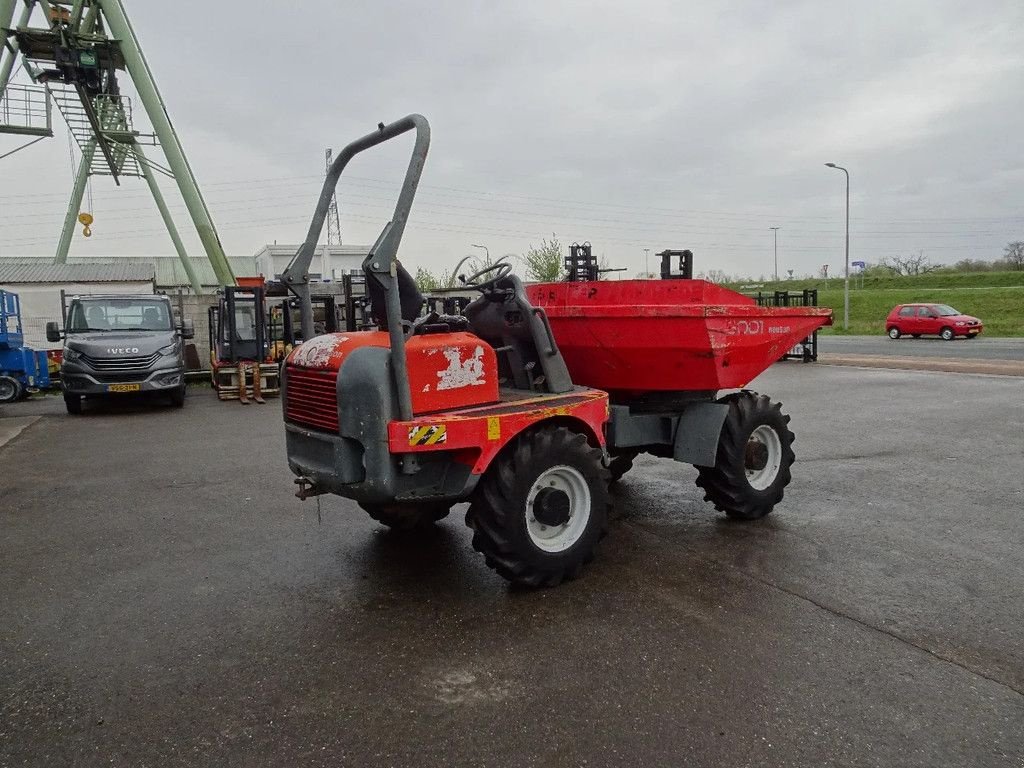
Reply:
x=10, y=389
x=541, y=508
x=178, y=397
x=947, y=334
x=894, y=333
x=74, y=404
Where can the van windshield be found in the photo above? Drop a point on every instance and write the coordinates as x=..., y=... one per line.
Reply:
x=112, y=314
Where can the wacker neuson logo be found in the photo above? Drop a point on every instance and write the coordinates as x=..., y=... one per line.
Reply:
x=122, y=350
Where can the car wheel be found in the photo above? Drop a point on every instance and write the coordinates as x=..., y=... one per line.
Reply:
x=73, y=403
x=947, y=334
x=894, y=333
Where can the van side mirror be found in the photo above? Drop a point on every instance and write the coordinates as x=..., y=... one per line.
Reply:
x=53, y=332
x=188, y=329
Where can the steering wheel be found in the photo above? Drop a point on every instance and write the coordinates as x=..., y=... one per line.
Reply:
x=502, y=268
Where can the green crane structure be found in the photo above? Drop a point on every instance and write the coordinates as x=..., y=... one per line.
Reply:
x=74, y=59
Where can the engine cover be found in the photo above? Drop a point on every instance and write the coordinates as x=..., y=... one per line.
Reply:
x=446, y=370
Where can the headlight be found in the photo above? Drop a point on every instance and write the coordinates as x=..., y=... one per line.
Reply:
x=71, y=355
x=170, y=349
x=960, y=322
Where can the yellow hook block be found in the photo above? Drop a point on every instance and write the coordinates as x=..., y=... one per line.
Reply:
x=85, y=219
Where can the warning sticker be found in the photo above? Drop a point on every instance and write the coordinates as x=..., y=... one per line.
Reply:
x=428, y=435
x=493, y=428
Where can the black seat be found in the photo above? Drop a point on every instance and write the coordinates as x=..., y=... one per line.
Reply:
x=528, y=356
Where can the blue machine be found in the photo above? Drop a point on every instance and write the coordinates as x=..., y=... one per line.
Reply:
x=22, y=369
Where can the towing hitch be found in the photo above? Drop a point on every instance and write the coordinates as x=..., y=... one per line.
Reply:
x=306, y=488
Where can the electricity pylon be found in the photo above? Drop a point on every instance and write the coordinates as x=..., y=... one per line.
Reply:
x=333, y=223
x=73, y=60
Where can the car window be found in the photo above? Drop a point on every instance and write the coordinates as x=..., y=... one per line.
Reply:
x=925, y=312
x=945, y=310
x=907, y=312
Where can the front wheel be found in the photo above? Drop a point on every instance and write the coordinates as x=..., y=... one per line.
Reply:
x=10, y=389
x=894, y=333
x=754, y=456
x=541, y=508
x=947, y=334
x=408, y=517
x=73, y=403
x=178, y=397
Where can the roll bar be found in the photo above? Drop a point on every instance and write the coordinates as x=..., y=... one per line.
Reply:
x=380, y=263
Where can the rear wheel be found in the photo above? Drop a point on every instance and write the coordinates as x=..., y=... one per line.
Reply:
x=73, y=403
x=541, y=508
x=894, y=333
x=754, y=456
x=947, y=334
x=10, y=389
x=408, y=517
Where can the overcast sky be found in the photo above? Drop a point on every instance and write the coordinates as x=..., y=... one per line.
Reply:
x=633, y=125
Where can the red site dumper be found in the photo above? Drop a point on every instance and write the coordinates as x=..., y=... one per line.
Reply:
x=536, y=398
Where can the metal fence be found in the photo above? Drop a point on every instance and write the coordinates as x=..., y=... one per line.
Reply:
x=807, y=350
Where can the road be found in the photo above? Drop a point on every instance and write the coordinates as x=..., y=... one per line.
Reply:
x=981, y=348
x=167, y=601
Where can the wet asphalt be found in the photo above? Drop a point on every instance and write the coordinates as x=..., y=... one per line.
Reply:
x=165, y=600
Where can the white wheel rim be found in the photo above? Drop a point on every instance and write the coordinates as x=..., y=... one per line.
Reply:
x=558, y=538
x=893, y=333
x=760, y=479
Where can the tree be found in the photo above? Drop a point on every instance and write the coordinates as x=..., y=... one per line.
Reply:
x=544, y=263
x=425, y=280
x=909, y=265
x=1013, y=254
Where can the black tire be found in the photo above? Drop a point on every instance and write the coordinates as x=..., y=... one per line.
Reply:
x=947, y=334
x=408, y=517
x=727, y=485
x=178, y=397
x=621, y=462
x=73, y=403
x=894, y=333
x=510, y=516
x=10, y=389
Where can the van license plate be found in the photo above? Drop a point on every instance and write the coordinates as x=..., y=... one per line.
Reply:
x=124, y=387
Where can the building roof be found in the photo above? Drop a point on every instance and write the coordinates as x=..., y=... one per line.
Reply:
x=165, y=271
x=170, y=272
x=31, y=271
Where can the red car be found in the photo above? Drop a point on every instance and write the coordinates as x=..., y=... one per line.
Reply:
x=931, y=319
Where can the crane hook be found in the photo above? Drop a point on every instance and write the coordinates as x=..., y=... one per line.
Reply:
x=86, y=220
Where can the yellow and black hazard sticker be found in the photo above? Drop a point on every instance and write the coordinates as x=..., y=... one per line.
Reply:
x=428, y=435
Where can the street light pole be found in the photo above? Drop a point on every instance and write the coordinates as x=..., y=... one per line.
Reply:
x=487, y=252
x=647, y=271
x=846, y=278
x=775, y=233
